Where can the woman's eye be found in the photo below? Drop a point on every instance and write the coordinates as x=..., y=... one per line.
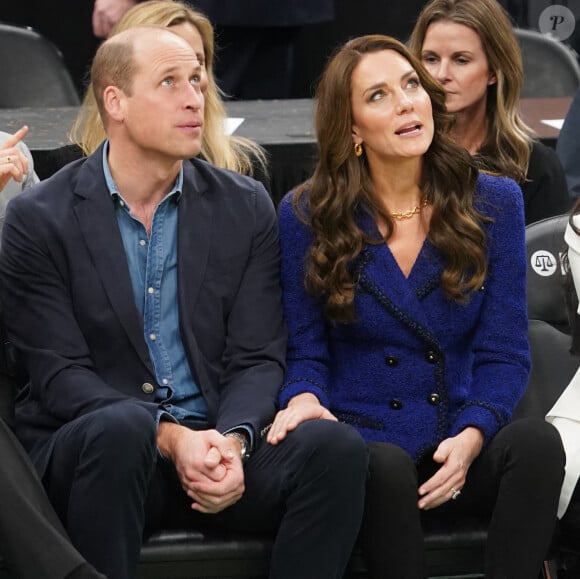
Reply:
x=429, y=59
x=413, y=83
x=377, y=95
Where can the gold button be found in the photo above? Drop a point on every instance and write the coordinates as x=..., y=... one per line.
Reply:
x=148, y=388
x=433, y=399
x=391, y=361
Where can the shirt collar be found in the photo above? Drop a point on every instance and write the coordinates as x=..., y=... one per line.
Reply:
x=114, y=191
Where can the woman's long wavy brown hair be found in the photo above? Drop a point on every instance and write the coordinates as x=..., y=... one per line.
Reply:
x=506, y=149
x=341, y=186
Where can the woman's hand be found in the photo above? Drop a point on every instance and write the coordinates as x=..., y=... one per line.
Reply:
x=456, y=455
x=13, y=162
x=300, y=408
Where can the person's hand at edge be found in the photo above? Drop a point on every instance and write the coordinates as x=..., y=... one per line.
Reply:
x=13, y=162
x=106, y=13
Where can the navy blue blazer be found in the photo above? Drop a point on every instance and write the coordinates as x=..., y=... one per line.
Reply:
x=414, y=367
x=70, y=310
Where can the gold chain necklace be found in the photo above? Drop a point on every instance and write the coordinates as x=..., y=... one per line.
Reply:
x=408, y=214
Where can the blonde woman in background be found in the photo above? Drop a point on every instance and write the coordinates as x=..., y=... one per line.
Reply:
x=224, y=151
x=470, y=48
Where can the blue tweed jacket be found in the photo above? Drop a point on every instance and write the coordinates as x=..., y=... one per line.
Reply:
x=415, y=367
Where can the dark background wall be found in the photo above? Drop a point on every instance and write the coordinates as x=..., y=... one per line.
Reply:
x=68, y=24
x=316, y=42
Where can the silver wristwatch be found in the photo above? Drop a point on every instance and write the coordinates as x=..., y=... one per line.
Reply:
x=245, y=451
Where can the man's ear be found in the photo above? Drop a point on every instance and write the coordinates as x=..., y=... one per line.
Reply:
x=113, y=101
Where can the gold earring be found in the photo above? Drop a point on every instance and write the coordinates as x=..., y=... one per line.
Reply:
x=358, y=150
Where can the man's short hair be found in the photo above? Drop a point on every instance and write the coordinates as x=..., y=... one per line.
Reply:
x=114, y=64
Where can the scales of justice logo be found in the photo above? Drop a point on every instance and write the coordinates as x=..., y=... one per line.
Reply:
x=545, y=263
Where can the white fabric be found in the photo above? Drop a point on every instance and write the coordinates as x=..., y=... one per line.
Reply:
x=573, y=241
x=565, y=414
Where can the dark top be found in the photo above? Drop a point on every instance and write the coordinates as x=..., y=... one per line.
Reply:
x=568, y=146
x=545, y=191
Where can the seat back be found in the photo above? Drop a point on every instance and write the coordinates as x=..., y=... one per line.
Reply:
x=32, y=70
x=550, y=68
x=552, y=364
x=552, y=369
x=545, y=248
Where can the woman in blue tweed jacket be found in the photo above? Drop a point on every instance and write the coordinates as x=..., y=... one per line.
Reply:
x=403, y=273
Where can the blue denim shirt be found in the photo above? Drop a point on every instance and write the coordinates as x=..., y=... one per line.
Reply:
x=153, y=269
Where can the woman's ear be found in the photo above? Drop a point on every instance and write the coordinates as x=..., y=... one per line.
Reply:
x=492, y=79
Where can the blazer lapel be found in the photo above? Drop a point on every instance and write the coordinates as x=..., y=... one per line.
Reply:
x=194, y=236
x=426, y=274
x=193, y=247
x=382, y=277
x=95, y=212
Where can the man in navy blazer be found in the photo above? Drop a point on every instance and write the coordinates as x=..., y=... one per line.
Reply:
x=143, y=295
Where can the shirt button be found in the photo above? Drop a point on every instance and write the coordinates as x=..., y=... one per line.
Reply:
x=142, y=243
x=396, y=404
x=165, y=381
x=152, y=337
x=391, y=361
x=148, y=388
x=433, y=399
x=150, y=290
x=431, y=357
x=122, y=203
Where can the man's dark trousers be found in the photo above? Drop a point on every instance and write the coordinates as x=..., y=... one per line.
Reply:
x=108, y=482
